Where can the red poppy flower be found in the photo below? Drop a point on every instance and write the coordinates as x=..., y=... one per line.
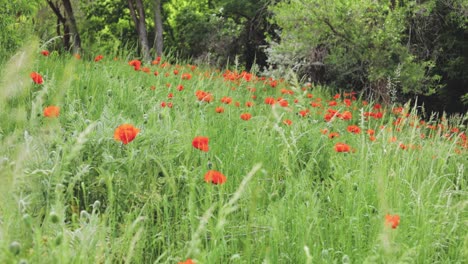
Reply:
x=52, y=111
x=247, y=76
x=304, y=112
x=342, y=147
x=98, y=58
x=249, y=104
x=188, y=261
x=146, y=69
x=354, y=129
x=270, y=100
x=252, y=89
x=333, y=135
x=273, y=83
x=392, y=220
x=215, y=177
x=36, y=77
x=346, y=115
x=283, y=103
x=377, y=115
x=226, y=100
x=219, y=110
x=398, y=110
x=201, y=143
x=286, y=91
x=328, y=117
x=287, y=122
x=398, y=121
x=186, y=76
x=204, y=96
x=126, y=133
x=314, y=104
x=245, y=116
x=45, y=53
x=136, y=64
x=156, y=61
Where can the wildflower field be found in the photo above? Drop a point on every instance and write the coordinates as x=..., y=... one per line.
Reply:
x=109, y=160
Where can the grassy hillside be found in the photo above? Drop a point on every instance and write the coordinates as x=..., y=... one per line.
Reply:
x=310, y=177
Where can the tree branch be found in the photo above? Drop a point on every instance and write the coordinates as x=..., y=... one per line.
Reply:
x=57, y=12
x=133, y=13
x=327, y=22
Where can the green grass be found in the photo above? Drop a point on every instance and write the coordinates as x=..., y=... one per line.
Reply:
x=70, y=193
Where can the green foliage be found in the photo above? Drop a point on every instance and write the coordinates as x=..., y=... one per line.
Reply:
x=439, y=32
x=15, y=25
x=352, y=44
x=464, y=99
x=107, y=26
x=206, y=36
x=219, y=32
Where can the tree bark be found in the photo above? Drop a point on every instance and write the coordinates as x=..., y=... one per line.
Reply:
x=61, y=19
x=140, y=25
x=158, y=39
x=72, y=26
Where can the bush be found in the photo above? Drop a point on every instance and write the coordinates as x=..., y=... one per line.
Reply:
x=15, y=25
x=351, y=44
x=206, y=36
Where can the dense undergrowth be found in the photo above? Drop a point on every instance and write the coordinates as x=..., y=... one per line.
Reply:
x=311, y=177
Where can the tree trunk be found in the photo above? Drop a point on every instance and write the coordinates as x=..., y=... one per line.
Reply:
x=61, y=20
x=72, y=26
x=140, y=25
x=158, y=39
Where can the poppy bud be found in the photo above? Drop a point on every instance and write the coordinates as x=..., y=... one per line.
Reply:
x=54, y=217
x=96, y=205
x=15, y=247
x=58, y=239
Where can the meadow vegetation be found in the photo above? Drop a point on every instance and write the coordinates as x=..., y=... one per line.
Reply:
x=218, y=166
